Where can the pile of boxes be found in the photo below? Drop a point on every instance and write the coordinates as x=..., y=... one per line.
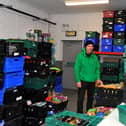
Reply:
x=11, y=81
x=23, y=101
x=94, y=37
x=114, y=29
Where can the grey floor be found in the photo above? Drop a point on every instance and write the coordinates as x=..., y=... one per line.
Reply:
x=72, y=97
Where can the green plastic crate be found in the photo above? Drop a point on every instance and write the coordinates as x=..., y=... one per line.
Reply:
x=32, y=48
x=32, y=52
x=35, y=82
x=124, y=61
x=30, y=44
x=16, y=40
x=90, y=34
x=53, y=121
x=111, y=64
x=119, y=42
x=122, y=113
x=109, y=21
x=110, y=78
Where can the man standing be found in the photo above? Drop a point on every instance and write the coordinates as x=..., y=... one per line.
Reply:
x=87, y=73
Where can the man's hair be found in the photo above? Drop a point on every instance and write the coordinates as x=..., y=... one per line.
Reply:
x=88, y=42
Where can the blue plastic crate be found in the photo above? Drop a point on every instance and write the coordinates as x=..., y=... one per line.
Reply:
x=94, y=40
x=2, y=123
x=13, y=79
x=106, y=48
x=106, y=41
x=118, y=48
x=13, y=64
x=58, y=80
x=59, y=88
x=119, y=28
x=2, y=91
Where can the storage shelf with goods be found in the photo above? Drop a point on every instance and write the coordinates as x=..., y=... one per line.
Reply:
x=114, y=29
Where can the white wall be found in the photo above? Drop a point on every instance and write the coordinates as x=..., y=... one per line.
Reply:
x=14, y=25
x=78, y=22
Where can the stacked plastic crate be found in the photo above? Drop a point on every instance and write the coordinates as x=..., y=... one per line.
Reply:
x=37, y=68
x=11, y=81
x=36, y=83
x=107, y=34
x=94, y=37
x=112, y=72
x=119, y=31
x=30, y=48
x=114, y=28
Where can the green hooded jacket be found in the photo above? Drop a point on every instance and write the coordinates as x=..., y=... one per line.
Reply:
x=86, y=68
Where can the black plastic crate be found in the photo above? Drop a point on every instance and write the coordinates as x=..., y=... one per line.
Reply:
x=12, y=111
x=107, y=92
x=30, y=67
x=119, y=35
x=108, y=28
x=37, y=110
x=110, y=71
x=57, y=107
x=36, y=67
x=1, y=111
x=11, y=48
x=41, y=94
x=124, y=94
x=108, y=97
x=2, y=48
x=120, y=13
x=31, y=121
x=1, y=64
x=45, y=50
x=14, y=49
x=120, y=20
x=108, y=102
x=36, y=95
x=108, y=21
x=18, y=121
x=17, y=95
x=110, y=68
x=1, y=80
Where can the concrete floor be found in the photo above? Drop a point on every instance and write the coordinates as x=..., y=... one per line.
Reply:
x=72, y=97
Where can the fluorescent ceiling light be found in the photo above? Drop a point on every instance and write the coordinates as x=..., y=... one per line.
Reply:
x=85, y=2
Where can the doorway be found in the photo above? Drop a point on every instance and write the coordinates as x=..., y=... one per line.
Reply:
x=70, y=49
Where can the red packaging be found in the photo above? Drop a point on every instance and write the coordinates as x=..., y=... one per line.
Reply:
x=108, y=14
x=107, y=34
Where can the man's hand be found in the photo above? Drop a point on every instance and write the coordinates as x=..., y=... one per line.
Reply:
x=78, y=84
x=99, y=83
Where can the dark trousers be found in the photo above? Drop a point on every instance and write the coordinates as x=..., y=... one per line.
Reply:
x=90, y=87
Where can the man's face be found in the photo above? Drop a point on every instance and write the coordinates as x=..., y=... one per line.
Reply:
x=89, y=48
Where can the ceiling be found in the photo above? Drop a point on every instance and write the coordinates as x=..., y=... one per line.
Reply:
x=58, y=6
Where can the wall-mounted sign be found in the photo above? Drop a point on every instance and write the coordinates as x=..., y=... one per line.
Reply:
x=70, y=33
